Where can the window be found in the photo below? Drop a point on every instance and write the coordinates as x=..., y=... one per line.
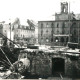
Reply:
x=52, y=31
x=23, y=36
x=62, y=39
x=57, y=25
x=47, y=40
x=47, y=31
x=56, y=39
x=52, y=39
x=41, y=25
x=13, y=27
x=63, y=24
x=52, y=25
x=57, y=31
x=18, y=26
x=41, y=38
x=47, y=25
x=17, y=35
x=74, y=32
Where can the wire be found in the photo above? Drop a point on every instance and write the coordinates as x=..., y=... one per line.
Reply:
x=6, y=56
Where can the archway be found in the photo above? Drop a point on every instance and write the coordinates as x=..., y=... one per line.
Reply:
x=58, y=66
x=67, y=39
x=62, y=39
x=56, y=39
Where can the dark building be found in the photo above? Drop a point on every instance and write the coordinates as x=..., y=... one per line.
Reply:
x=65, y=28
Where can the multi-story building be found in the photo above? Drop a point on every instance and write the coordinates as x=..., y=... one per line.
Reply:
x=36, y=34
x=24, y=34
x=4, y=28
x=19, y=33
x=5, y=32
x=65, y=28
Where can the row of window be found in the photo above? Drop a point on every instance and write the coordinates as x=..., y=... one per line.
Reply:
x=47, y=31
x=47, y=39
x=24, y=31
x=23, y=35
x=24, y=27
x=52, y=25
x=47, y=25
x=62, y=39
x=57, y=32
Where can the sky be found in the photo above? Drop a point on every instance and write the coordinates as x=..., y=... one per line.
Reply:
x=33, y=9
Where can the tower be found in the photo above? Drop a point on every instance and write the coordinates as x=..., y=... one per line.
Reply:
x=64, y=7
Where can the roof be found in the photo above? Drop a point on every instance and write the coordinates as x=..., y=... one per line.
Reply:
x=57, y=20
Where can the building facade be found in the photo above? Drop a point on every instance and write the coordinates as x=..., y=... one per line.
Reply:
x=23, y=34
x=65, y=28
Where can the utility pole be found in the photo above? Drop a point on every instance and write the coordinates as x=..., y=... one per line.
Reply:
x=10, y=28
x=69, y=22
x=78, y=33
x=10, y=33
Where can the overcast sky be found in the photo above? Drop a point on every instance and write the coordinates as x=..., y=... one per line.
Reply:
x=33, y=9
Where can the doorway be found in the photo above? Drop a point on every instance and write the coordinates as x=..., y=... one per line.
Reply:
x=58, y=66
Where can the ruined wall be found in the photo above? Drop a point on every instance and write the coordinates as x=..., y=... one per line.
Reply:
x=72, y=68
x=41, y=64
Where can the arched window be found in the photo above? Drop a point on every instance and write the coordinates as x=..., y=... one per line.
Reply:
x=56, y=39
x=67, y=39
x=47, y=40
x=62, y=39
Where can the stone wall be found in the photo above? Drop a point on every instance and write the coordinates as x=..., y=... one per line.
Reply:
x=72, y=68
x=41, y=64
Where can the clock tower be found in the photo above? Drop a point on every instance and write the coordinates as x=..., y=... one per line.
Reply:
x=64, y=7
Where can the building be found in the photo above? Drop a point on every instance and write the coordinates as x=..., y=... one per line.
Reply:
x=24, y=34
x=21, y=34
x=65, y=28
x=36, y=34
x=5, y=32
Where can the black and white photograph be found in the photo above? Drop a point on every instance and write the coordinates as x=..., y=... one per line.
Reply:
x=40, y=39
